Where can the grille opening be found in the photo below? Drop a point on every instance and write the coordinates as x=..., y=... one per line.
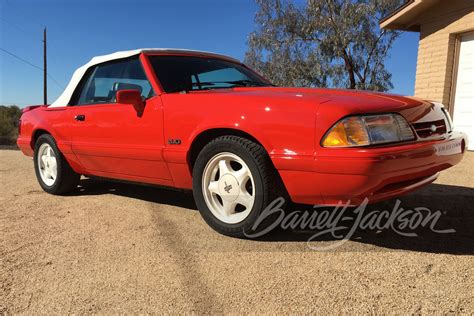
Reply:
x=428, y=129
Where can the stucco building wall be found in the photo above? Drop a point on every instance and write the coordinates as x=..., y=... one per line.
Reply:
x=440, y=26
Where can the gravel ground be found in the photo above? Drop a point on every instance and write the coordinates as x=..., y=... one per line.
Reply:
x=115, y=248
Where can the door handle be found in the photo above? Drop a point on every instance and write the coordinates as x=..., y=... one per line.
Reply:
x=80, y=117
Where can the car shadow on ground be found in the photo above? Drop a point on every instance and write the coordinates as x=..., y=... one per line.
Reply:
x=149, y=193
x=454, y=203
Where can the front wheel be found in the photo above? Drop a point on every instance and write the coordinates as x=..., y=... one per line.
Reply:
x=52, y=170
x=233, y=181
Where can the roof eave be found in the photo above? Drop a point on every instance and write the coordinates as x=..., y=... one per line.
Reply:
x=405, y=17
x=401, y=27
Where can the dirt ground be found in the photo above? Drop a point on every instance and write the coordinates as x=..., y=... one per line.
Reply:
x=114, y=248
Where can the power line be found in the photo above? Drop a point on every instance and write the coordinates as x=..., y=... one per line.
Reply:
x=32, y=65
x=30, y=35
x=19, y=58
x=55, y=81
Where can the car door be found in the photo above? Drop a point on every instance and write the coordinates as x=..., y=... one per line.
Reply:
x=111, y=139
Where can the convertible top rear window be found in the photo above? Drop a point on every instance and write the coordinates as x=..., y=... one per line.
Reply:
x=187, y=73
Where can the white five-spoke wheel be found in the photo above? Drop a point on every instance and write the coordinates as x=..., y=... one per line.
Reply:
x=52, y=170
x=228, y=188
x=233, y=182
x=48, y=167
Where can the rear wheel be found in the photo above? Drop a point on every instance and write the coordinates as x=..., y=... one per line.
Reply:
x=52, y=170
x=233, y=182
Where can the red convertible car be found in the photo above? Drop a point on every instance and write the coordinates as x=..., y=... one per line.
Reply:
x=206, y=122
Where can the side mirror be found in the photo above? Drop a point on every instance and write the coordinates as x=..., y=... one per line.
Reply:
x=132, y=97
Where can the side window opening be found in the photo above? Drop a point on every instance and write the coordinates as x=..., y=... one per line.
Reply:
x=106, y=79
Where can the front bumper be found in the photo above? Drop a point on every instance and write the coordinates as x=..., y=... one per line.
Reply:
x=375, y=173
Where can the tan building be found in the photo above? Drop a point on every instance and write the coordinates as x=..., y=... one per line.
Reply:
x=445, y=66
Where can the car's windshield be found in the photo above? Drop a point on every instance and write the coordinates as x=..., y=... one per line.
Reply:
x=187, y=73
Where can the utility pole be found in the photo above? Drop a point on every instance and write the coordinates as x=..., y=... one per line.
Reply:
x=45, y=70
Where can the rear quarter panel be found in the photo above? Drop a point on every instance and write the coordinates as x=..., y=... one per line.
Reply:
x=51, y=121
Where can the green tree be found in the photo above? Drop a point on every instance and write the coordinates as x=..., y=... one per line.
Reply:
x=322, y=43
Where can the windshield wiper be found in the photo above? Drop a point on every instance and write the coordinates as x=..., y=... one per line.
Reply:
x=249, y=83
x=239, y=83
x=209, y=85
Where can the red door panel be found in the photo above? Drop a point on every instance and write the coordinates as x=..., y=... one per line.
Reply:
x=112, y=140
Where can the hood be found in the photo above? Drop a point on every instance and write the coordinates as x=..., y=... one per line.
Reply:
x=343, y=101
x=355, y=99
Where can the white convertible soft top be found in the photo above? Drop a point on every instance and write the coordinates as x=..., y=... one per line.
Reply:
x=65, y=97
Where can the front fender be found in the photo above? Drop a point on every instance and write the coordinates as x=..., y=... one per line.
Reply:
x=284, y=128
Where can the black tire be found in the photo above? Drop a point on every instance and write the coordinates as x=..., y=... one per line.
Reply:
x=66, y=179
x=268, y=185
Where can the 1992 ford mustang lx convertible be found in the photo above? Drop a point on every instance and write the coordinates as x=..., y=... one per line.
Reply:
x=206, y=122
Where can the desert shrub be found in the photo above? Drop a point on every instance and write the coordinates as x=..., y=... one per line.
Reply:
x=9, y=116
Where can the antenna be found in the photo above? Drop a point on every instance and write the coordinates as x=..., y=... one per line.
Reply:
x=45, y=70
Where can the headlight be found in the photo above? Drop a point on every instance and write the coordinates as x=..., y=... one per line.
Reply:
x=368, y=130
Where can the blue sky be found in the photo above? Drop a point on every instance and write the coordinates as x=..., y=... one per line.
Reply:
x=79, y=30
